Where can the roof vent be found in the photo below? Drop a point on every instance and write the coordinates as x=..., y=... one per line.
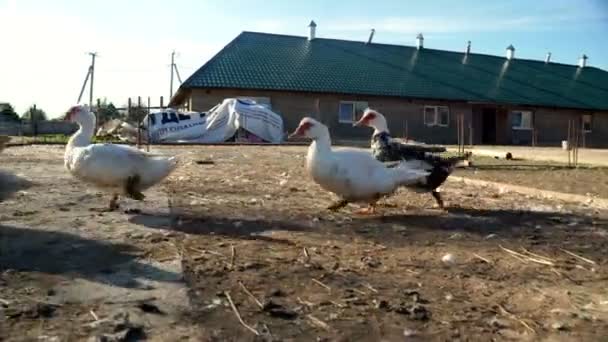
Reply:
x=371, y=36
x=510, y=52
x=419, y=41
x=548, y=57
x=582, y=61
x=468, y=50
x=312, y=30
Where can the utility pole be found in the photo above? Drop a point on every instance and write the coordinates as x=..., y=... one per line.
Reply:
x=93, y=54
x=172, y=68
x=90, y=73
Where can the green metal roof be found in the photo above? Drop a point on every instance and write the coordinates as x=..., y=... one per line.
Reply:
x=290, y=63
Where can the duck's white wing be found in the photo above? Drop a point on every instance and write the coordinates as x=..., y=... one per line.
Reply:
x=356, y=173
x=111, y=164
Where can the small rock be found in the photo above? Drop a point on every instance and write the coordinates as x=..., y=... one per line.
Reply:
x=559, y=326
x=490, y=236
x=253, y=201
x=415, y=312
x=267, y=196
x=276, y=293
x=150, y=308
x=382, y=304
x=238, y=224
x=283, y=182
x=370, y=262
x=409, y=332
x=449, y=259
x=449, y=297
x=277, y=310
x=498, y=323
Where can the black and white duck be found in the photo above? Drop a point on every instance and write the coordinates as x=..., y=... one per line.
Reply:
x=386, y=149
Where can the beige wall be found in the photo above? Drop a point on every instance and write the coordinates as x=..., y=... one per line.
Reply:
x=551, y=124
x=294, y=106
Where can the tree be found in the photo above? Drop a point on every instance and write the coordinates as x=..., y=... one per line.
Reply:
x=106, y=111
x=137, y=113
x=34, y=114
x=8, y=112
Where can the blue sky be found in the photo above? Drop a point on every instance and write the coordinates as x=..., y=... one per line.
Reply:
x=44, y=43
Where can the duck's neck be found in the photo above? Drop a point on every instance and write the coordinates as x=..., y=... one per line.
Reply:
x=380, y=128
x=83, y=136
x=322, y=144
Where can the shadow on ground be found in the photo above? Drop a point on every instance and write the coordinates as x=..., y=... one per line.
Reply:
x=507, y=223
x=215, y=225
x=10, y=183
x=25, y=249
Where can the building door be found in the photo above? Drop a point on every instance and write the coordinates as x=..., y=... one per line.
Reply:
x=488, y=126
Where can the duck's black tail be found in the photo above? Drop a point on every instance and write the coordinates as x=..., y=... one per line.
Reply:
x=442, y=168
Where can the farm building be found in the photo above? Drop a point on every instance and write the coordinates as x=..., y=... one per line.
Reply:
x=423, y=92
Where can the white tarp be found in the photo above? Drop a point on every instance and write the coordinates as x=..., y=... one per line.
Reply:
x=217, y=125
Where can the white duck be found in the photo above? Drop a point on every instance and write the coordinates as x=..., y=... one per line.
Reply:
x=353, y=174
x=117, y=169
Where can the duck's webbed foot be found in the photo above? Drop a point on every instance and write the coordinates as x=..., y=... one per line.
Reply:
x=437, y=195
x=131, y=188
x=338, y=205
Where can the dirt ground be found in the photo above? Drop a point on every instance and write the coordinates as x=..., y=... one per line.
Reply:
x=251, y=230
x=585, y=180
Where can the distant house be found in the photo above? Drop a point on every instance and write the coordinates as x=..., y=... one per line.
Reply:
x=503, y=100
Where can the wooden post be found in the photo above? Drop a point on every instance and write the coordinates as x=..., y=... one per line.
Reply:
x=137, y=119
x=471, y=134
x=33, y=121
x=148, y=128
x=162, y=103
x=577, y=143
x=568, y=142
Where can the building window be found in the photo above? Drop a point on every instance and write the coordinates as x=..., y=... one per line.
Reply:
x=587, y=119
x=436, y=116
x=521, y=120
x=351, y=111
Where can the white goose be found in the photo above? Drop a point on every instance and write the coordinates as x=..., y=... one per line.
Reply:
x=117, y=169
x=354, y=175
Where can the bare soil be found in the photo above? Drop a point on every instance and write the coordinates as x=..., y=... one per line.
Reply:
x=584, y=180
x=521, y=268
